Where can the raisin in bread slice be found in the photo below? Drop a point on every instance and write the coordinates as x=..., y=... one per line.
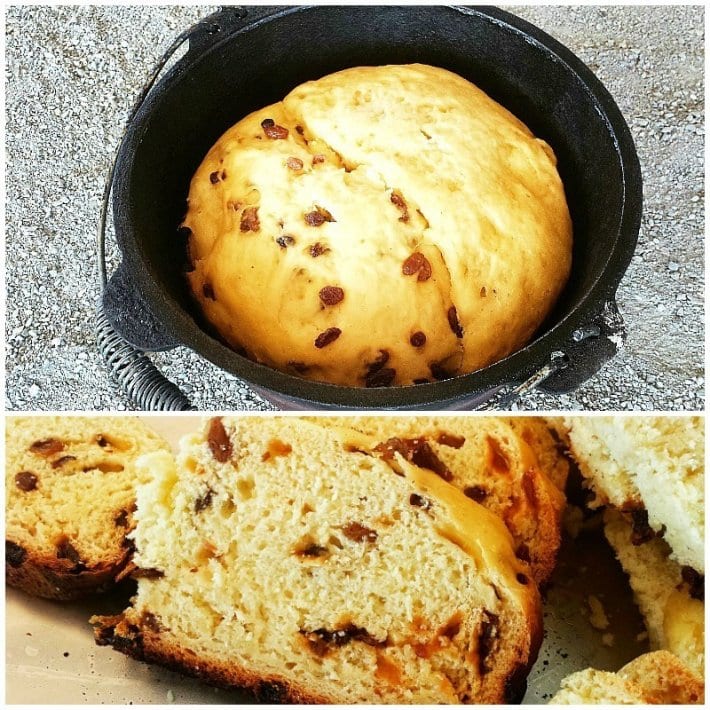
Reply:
x=505, y=464
x=670, y=597
x=654, y=465
x=69, y=493
x=657, y=678
x=290, y=560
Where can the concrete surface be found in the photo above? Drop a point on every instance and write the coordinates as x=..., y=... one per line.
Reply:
x=72, y=74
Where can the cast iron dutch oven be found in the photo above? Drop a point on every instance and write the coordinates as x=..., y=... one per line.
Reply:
x=241, y=59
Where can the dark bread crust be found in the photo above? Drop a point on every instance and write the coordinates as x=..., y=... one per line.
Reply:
x=147, y=646
x=53, y=578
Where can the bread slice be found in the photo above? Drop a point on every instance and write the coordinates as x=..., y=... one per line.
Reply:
x=656, y=463
x=287, y=558
x=665, y=679
x=502, y=463
x=670, y=598
x=593, y=687
x=69, y=495
x=657, y=678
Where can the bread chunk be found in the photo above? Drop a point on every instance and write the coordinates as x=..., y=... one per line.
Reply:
x=490, y=461
x=69, y=498
x=654, y=464
x=380, y=226
x=657, y=678
x=297, y=563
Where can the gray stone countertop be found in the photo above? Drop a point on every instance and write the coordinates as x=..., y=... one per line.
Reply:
x=72, y=74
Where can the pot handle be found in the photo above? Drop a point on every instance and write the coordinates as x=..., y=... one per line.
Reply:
x=590, y=347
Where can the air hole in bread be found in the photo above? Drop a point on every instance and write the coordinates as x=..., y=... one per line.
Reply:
x=227, y=508
x=245, y=488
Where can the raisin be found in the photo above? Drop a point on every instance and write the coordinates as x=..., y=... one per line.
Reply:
x=695, y=582
x=14, y=554
x=67, y=551
x=379, y=362
x=58, y=463
x=318, y=217
x=274, y=131
x=331, y=295
x=417, y=451
x=208, y=291
x=218, y=440
x=454, y=322
x=424, y=457
x=318, y=158
x=523, y=552
x=417, y=339
x=439, y=371
x=26, y=481
x=294, y=163
x=451, y=440
x=317, y=249
x=299, y=130
x=420, y=502
x=477, y=493
x=359, y=533
x=320, y=640
x=327, y=337
x=312, y=550
x=398, y=201
x=47, y=447
x=214, y=177
x=496, y=456
x=486, y=640
x=204, y=501
x=102, y=441
x=381, y=378
x=285, y=241
x=418, y=264
x=641, y=531
x=250, y=220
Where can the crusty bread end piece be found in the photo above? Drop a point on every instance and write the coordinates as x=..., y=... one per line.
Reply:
x=69, y=494
x=288, y=558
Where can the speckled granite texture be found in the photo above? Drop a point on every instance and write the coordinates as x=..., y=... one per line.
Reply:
x=72, y=74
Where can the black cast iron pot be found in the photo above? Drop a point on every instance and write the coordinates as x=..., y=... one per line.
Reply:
x=241, y=59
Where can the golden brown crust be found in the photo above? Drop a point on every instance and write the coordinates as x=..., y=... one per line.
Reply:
x=61, y=579
x=148, y=646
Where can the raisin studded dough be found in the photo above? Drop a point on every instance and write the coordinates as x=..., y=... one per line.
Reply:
x=70, y=486
x=509, y=465
x=288, y=558
x=383, y=225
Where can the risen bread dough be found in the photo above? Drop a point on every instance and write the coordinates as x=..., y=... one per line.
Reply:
x=382, y=225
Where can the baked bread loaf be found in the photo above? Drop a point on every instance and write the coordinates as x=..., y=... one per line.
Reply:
x=381, y=226
x=654, y=464
x=69, y=495
x=286, y=558
x=671, y=598
x=657, y=678
x=489, y=460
